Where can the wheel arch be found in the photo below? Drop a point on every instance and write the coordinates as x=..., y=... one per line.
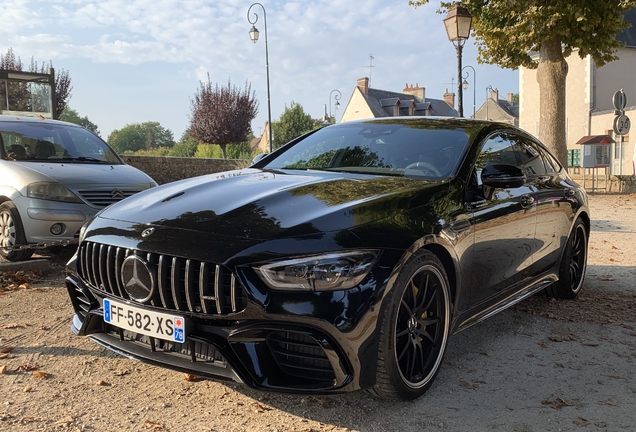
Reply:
x=449, y=267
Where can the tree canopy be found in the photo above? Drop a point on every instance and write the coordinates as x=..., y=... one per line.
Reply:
x=63, y=87
x=72, y=116
x=541, y=34
x=140, y=136
x=222, y=115
x=293, y=122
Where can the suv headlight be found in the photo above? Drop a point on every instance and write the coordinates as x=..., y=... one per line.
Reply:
x=333, y=271
x=51, y=191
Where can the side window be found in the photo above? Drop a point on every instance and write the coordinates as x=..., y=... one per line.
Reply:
x=498, y=149
x=551, y=164
x=531, y=159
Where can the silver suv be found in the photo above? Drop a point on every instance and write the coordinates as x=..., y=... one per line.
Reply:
x=54, y=176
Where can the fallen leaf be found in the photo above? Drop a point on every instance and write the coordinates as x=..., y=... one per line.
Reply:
x=6, y=350
x=64, y=421
x=101, y=383
x=3, y=369
x=612, y=260
x=191, y=378
x=614, y=247
x=4, y=356
x=154, y=425
x=28, y=389
x=41, y=374
x=24, y=286
x=259, y=408
x=557, y=403
x=12, y=326
x=580, y=421
x=324, y=402
x=27, y=367
x=224, y=394
x=468, y=385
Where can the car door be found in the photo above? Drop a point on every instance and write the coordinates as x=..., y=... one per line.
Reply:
x=554, y=210
x=504, y=222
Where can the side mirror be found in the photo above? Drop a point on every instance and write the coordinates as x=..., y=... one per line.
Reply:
x=502, y=176
x=258, y=157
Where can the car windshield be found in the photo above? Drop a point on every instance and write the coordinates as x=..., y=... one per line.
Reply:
x=37, y=142
x=427, y=148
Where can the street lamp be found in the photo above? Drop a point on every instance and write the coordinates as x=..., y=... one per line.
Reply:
x=337, y=99
x=458, y=22
x=254, y=37
x=488, y=88
x=465, y=84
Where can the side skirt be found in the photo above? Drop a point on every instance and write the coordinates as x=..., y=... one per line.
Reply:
x=507, y=302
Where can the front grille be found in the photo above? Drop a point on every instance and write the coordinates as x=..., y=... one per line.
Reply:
x=300, y=355
x=180, y=284
x=105, y=197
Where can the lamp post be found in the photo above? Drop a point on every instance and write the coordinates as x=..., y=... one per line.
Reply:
x=254, y=36
x=465, y=84
x=488, y=88
x=337, y=99
x=458, y=22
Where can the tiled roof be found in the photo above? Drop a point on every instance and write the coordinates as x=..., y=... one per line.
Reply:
x=381, y=103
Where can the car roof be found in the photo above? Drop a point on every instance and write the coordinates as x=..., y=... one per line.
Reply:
x=28, y=119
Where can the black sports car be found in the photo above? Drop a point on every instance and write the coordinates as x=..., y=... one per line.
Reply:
x=342, y=261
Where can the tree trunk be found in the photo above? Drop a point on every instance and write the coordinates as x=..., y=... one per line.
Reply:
x=223, y=150
x=551, y=76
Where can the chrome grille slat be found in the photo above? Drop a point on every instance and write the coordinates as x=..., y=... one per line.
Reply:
x=217, y=277
x=185, y=285
x=188, y=282
x=203, y=282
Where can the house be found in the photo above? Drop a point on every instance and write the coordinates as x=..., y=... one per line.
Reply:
x=501, y=110
x=260, y=144
x=589, y=101
x=367, y=102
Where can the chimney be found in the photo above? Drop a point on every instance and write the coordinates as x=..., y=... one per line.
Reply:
x=417, y=91
x=363, y=85
x=494, y=94
x=450, y=98
x=509, y=97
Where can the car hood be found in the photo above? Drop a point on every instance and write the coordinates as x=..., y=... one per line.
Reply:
x=260, y=204
x=88, y=174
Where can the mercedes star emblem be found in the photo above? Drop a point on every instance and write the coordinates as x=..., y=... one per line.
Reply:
x=147, y=232
x=137, y=279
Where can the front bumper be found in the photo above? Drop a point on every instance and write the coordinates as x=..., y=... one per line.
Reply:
x=292, y=342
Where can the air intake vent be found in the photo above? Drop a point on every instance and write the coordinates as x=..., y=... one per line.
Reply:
x=300, y=355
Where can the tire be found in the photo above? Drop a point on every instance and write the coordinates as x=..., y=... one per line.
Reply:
x=573, y=265
x=12, y=233
x=415, y=329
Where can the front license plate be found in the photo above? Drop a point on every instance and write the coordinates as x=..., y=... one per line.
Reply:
x=159, y=325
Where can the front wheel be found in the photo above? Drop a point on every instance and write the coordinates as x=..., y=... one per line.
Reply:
x=573, y=265
x=12, y=233
x=415, y=329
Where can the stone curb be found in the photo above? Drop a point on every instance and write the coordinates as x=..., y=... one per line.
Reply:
x=30, y=265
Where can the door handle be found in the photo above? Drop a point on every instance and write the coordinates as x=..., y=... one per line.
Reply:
x=526, y=200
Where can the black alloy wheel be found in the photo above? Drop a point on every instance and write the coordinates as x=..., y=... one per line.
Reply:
x=573, y=265
x=415, y=330
x=12, y=233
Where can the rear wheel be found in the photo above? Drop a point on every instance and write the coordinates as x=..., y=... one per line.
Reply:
x=573, y=265
x=415, y=329
x=12, y=233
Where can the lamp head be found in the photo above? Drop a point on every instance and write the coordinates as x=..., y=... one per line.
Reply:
x=254, y=34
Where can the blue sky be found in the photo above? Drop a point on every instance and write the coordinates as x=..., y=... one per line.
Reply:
x=133, y=61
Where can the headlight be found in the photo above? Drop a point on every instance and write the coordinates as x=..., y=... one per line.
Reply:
x=51, y=191
x=327, y=272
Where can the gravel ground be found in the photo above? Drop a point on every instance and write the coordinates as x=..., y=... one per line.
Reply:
x=543, y=365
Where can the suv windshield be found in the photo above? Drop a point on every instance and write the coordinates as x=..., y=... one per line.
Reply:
x=33, y=141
